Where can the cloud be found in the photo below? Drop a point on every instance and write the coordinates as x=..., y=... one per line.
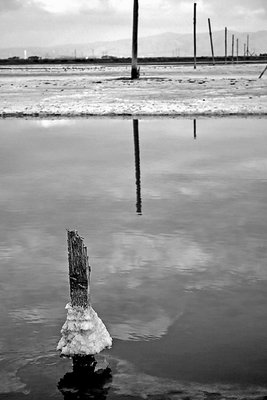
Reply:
x=78, y=6
x=14, y=5
x=51, y=22
x=6, y=5
x=130, y=381
x=11, y=383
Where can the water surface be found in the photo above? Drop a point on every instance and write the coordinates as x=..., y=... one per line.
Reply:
x=175, y=221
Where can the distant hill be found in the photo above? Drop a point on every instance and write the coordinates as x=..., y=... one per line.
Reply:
x=166, y=44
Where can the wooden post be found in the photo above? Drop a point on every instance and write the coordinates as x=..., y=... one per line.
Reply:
x=237, y=49
x=137, y=166
x=247, y=45
x=195, y=35
x=233, y=47
x=211, y=42
x=79, y=271
x=135, y=72
x=225, y=44
x=262, y=73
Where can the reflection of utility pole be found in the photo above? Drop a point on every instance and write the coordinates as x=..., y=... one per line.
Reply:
x=137, y=166
x=195, y=129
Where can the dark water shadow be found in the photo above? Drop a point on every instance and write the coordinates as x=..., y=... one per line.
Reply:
x=88, y=380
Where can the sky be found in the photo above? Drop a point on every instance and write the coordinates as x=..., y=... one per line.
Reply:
x=52, y=22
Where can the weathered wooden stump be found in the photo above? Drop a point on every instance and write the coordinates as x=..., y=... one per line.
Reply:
x=83, y=333
x=79, y=271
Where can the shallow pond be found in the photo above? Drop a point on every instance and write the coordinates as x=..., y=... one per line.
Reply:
x=174, y=213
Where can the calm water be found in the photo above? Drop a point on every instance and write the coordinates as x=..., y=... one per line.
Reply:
x=175, y=223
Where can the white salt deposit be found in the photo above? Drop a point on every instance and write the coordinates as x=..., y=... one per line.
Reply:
x=217, y=90
x=83, y=333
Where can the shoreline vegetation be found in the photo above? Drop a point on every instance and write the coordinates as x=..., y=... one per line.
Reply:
x=36, y=60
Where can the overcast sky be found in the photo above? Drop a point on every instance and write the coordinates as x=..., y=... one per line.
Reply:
x=50, y=22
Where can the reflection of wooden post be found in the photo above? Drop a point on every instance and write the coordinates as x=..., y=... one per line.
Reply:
x=137, y=167
x=211, y=42
x=86, y=381
x=225, y=44
x=195, y=35
x=79, y=271
x=233, y=47
x=195, y=129
x=135, y=72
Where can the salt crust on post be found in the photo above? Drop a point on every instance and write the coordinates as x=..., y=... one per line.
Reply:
x=83, y=333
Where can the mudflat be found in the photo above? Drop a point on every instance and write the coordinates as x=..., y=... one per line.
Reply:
x=162, y=90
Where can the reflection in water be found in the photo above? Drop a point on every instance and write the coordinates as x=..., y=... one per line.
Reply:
x=177, y=283
x=137, y=167
x=195, y=129
x=86, y=381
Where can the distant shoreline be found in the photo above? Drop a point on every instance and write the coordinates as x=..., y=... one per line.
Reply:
x=127, y=60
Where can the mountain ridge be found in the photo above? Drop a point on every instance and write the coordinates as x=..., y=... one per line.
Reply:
x=165, y=44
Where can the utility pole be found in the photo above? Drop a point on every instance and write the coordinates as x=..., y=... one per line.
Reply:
x=211, y=42
x=135, y=71
x=195, y=35
x=225, y=44
x=233, y=47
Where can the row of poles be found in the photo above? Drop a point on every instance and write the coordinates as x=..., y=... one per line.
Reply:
x=246, y=45
x=135, y=69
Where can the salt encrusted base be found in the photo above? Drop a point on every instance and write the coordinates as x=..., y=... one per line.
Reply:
x=83, y=333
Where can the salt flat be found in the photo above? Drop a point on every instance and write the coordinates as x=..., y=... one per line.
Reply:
x=106, y=90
